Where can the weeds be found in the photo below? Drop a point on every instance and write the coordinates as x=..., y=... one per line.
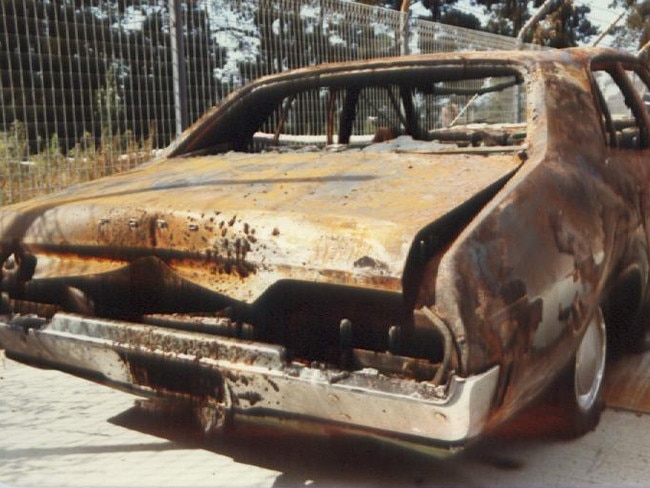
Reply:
x=24, y=175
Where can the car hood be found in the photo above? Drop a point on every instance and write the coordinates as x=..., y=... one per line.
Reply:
x=237, y=223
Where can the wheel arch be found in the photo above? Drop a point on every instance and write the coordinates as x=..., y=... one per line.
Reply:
x=624, y=306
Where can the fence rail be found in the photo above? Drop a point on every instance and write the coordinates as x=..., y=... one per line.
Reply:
x=92, y=88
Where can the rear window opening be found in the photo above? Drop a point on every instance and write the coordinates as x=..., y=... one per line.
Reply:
x=426, y=109
x=442, y=117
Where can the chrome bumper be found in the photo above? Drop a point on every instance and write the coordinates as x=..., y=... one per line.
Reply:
x=232, y=376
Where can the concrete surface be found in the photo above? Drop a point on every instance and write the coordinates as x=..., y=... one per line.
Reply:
x=58, y=430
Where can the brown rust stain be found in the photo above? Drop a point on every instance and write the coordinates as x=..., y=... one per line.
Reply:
x=196, y=348
x=178, y=378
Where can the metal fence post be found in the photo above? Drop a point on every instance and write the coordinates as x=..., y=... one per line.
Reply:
x=179, y=72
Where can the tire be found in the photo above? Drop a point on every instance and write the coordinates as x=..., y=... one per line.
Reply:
x=5, y=305
x=583, y=398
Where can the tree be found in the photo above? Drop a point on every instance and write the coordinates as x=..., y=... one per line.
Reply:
x=439, y=8
x=566, y=26
x=635, y=31
x=99, y=67
x=443, y=11
x=505, y=17
x=461, y=19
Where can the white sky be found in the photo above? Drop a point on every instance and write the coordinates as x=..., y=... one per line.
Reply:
x=603, y=16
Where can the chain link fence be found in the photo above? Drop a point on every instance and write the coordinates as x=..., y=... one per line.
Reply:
x=90, y=88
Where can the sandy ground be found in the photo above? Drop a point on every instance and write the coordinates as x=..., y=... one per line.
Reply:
x=57, y=430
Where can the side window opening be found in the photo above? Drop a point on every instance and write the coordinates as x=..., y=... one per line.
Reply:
x=624, y=117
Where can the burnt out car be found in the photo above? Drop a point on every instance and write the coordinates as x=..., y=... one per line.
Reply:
x=417, y=247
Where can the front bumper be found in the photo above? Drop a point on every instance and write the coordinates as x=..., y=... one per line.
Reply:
x=227, y=376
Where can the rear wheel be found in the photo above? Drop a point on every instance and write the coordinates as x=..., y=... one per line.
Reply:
x=5, y=306
x=587, y=372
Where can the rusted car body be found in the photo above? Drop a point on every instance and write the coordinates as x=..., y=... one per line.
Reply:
x=426, y=287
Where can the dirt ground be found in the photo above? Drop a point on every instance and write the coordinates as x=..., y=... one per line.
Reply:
x=57, y=430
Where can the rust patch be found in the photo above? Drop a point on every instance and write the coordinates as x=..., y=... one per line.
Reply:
x=368, y=262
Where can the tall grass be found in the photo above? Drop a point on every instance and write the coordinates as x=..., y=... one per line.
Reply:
x=24, y=175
